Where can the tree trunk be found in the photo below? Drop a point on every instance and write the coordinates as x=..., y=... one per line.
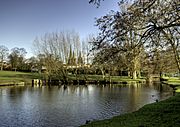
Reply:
x=103, y=74
x=176, y=56
x=134, y=74
x=1, y=66
x=135, y=67
x=85, y=73
x=109, y=75
x=138, y=74
x=2, y=63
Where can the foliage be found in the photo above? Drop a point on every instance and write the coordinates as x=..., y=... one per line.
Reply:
x=96, y=2
x=17, y=58
x=137, y=33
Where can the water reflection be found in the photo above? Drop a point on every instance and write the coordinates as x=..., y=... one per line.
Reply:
x=73, y=105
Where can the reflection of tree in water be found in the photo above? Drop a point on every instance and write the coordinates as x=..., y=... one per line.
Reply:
x=159, y=86
x=79, y=90
x=134, y=96
x=15, y=93
x=77, y=103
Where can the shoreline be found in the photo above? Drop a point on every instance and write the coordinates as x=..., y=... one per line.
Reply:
x=37, y=82
x=163, y=113
x=154, y=114
x=12, y=84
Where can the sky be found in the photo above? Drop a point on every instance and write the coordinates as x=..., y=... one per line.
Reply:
x=21, y=21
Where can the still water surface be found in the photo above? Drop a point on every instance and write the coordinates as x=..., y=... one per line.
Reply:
x=68, y=107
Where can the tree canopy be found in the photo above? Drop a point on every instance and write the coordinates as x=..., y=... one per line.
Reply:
x=139, y=24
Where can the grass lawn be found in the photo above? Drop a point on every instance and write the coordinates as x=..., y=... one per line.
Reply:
x=161, y=114
x=7, y=77
x=100, y=78
x=12, y=76
x=173, y=81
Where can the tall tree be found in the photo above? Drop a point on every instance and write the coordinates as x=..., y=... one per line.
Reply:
x=3, y=55
x=119, y=35
x=58, y=49
x=86, y=49
x=158, y=20
x=151, y=22
x=17, y=58
x=80, y=59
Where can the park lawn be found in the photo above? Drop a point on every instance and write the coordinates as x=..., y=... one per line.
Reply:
x=160, y=114
x=126, y=78
x=12, y=77
x=173, y=81
x=15, y=77
x=178, y=90
x=100, y=78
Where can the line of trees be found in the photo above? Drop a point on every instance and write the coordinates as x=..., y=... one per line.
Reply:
x=13, y=59
x=60, y=52
x=142, y=36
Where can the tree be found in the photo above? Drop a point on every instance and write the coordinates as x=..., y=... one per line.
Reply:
x=118, y=35
x=71, y=58
x=96, y=2
x=40, y=62
x=3, y=54
x=17, y=58
x=158, y=20
x=161, y=61
x=150, y=23
x=80, y=59
x=31, y=64
x=59, y=51
x=86, y=49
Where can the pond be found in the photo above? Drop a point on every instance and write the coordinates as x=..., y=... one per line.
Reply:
x=71, y=106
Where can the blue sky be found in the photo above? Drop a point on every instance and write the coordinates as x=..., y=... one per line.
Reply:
x=21, y=21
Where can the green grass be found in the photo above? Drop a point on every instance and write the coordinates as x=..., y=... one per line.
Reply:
x=162, y=114
x=173, y=81
x=100, y=78
x=11, y=76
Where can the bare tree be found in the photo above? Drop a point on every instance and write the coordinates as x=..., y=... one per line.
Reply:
x=86, y=49
x=3, y=55
x=57, y=49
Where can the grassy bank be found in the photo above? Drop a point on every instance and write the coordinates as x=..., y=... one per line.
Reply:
x=9, y=77
x=107, y=78
x=173, y=81
x=162, y=114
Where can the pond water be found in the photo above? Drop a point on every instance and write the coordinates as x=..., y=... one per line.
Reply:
x=71, y=106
